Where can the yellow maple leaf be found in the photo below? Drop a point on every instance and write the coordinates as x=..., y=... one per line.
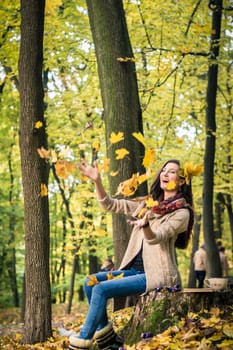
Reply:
x=190, y=170
x=171, y=186
x=92, y=280
x=128, y=187
x=64, y=168
x=150, y=202
x=53, y=156
x=43, y=190
x=43, y=153
x=114, y=173
x=96, y=145
x=149, y=158
x=110, y=276
x=38, y=125
x=143, y=177
x=121, y=153
x=114, y=138
x=139, y=137
x=105, y=166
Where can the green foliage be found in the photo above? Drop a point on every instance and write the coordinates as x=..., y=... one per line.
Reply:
x=170, y=42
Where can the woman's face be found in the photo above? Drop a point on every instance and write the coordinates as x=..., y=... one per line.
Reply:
x=169, y=178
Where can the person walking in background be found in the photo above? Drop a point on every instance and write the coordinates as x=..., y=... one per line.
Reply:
x=149, y=261
x=199, y=261
x=107, y=265
x=224, y=261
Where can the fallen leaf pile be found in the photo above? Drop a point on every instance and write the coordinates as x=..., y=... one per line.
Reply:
x=206, y=330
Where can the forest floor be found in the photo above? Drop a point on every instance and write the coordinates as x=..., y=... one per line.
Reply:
x=207, y=330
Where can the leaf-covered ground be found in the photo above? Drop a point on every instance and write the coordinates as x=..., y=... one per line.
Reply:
x=206, y=330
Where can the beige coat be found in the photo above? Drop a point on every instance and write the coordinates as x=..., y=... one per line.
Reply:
x=158, y=253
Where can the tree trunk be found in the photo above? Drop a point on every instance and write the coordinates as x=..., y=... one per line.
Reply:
x=196, y=235
x=32, y=135
x=213, y=260
x=155, y=312
x=121, y=105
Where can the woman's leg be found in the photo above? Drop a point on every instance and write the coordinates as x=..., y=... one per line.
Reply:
x=132, y=282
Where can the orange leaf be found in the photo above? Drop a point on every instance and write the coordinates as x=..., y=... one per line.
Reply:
x=92, y=280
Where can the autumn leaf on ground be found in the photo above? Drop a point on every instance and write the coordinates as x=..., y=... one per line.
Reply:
x=115, y=138
x=92, y=280
x=140, y=138
x=121, y=153
x=149, y=158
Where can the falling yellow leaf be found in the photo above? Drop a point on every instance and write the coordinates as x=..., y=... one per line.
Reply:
x=53, y=156
x=142, y=178
x=92, y=280
x=141, y=213
x=115, y=138
x=64, y=168
x=38, y=125
x=149, y=158
x=150, y=202
x=190, y=170
x=43, y=190
x=96, y=145
x=139, y=137
x=43, y=153
x=121, y=153
x=126, y=59
x=105, y=166
x=171, y=186
x=128, y=187
x=110, y=276
x=114, y=173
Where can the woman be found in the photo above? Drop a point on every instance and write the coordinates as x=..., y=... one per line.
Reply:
x=149, y=261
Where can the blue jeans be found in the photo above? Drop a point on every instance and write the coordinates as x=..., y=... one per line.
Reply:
x=132, y=282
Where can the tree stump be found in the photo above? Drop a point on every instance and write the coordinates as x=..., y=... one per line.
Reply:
x=157, y=311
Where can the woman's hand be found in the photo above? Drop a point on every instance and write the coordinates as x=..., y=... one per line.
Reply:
x=90, y=171
x=139, y=223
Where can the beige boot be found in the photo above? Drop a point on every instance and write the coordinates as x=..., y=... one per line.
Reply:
x=78, y=343
x=107, y=339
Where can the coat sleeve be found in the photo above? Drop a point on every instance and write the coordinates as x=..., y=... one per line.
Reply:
x=170, y=225
x=120, y=206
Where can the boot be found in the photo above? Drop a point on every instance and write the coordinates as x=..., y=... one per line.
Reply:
x=107, y=339
x=78, y=343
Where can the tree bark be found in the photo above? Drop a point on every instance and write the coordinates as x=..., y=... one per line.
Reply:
x=32, y=135
x=122, y=112
x=213, y=260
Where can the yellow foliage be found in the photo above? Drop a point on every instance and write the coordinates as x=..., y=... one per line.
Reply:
x=151, y=203
x=96, y=145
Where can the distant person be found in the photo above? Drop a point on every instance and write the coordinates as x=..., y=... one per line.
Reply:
x=224, y=261
x=108, y=265
x=199, y=261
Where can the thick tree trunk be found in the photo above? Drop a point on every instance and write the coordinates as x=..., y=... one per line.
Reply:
x=121, y=105
x=34, y=174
